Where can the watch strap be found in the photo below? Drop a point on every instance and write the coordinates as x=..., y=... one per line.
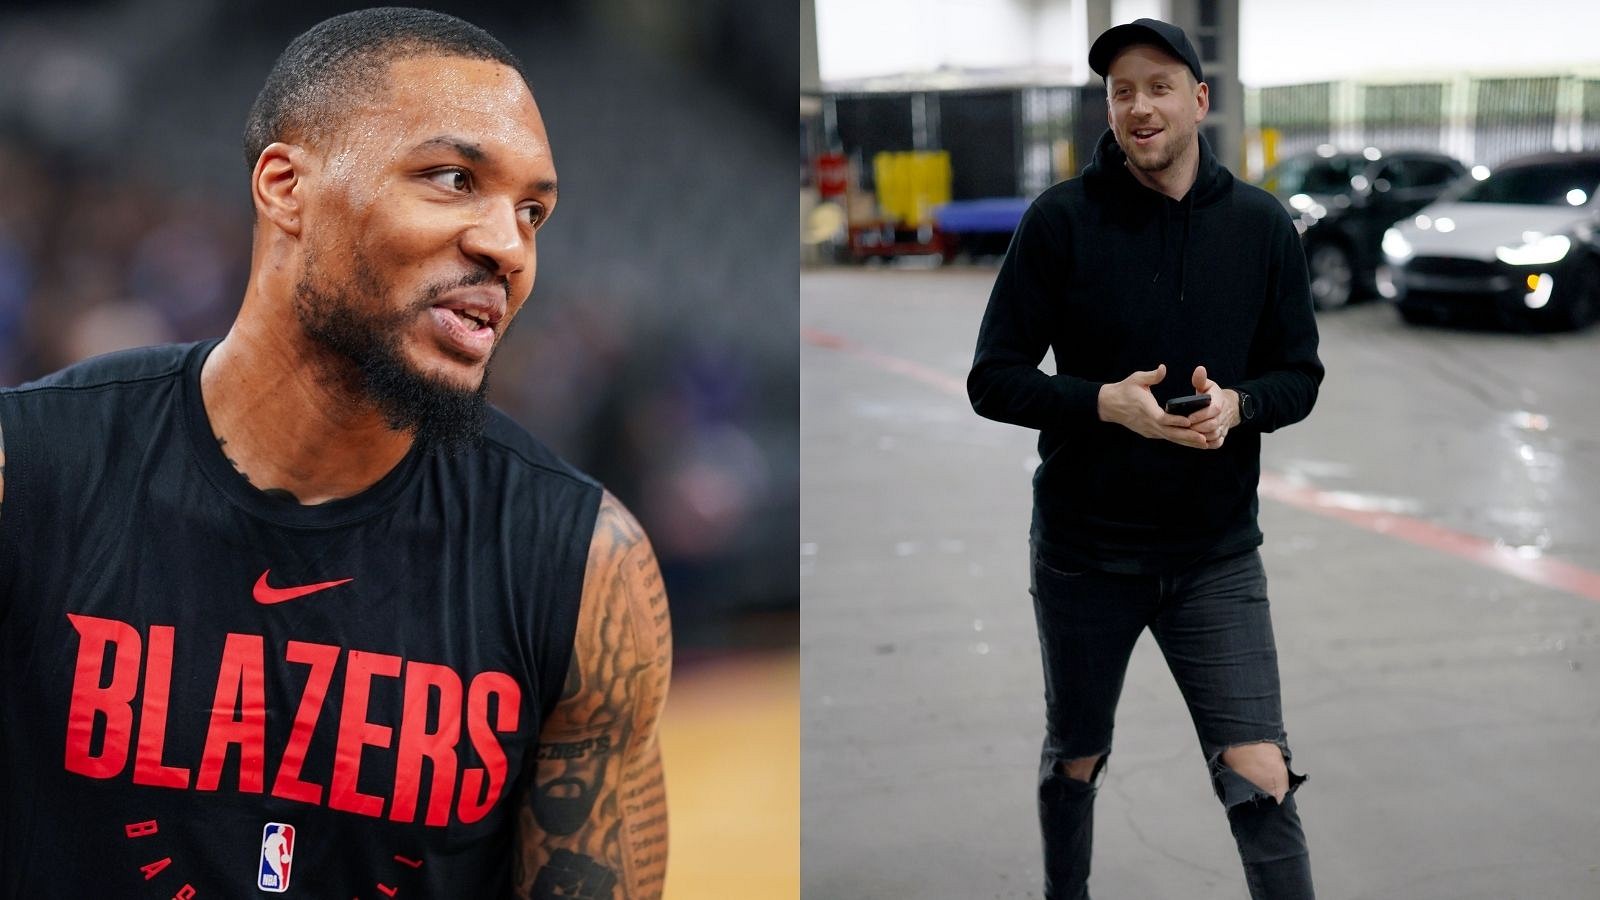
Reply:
x=1247, y=405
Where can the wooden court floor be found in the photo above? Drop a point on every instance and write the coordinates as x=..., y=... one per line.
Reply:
x=730, y=739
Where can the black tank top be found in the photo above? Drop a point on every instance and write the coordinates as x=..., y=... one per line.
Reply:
x=206, y=691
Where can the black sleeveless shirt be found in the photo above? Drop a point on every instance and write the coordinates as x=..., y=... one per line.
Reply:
x=206, y=691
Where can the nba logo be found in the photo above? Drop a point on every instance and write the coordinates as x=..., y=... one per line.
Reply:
x=277, y=852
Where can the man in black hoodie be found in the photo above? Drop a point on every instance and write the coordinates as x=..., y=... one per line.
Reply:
x=1154, y=275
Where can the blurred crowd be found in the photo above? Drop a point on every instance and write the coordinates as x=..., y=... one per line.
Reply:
x=658, y=350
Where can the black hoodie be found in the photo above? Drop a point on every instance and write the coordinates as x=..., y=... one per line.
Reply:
x=1114, y=278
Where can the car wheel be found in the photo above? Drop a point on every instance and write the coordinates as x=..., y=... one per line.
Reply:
x=1332, y=276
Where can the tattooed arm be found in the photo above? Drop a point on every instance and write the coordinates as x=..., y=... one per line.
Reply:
x=593, y=824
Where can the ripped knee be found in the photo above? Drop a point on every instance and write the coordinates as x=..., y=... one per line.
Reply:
x=1084, y=769
x=1253, y=773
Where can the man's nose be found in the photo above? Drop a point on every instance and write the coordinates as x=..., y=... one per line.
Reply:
x=495, y=241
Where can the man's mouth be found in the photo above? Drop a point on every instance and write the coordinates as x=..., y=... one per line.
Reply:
x=472, y=319
x=477, y=307
x=1145, y=135
x=465, y=318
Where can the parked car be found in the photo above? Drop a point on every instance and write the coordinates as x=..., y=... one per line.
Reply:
x=1343, y=202
x=1520, y=245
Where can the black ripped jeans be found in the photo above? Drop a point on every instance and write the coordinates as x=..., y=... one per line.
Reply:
x=1212, y=623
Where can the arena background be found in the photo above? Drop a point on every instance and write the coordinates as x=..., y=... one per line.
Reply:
x=658, y=351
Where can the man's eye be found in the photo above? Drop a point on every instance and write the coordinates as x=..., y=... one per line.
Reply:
x=454, y=179
x=533, y=215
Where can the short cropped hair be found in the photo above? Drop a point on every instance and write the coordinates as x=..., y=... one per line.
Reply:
x=344, y=59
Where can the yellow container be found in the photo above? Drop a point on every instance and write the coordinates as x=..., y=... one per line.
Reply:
x=910, y=184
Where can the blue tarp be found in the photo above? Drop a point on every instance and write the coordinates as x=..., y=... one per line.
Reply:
x=998, y=215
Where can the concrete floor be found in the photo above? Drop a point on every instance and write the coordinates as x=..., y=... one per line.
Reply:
x=1445, y=703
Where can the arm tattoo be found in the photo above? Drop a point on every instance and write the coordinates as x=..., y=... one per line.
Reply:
x=593, y=822
x=569, y=874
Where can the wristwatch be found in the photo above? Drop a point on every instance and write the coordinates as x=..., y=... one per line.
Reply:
x=1247, y=406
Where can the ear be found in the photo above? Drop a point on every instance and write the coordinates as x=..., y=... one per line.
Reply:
x=277, y=185
x=1203, y=97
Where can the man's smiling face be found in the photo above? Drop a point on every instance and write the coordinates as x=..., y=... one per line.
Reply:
x=425, y=213
x=1154, y=106
x=417, y=240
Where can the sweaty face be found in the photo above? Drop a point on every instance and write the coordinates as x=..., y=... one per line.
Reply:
x=1154, y=107
x=418, y=238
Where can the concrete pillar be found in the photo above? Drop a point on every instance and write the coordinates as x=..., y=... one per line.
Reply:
x=810, y=71
x=1213, y=28
x=1097, y=18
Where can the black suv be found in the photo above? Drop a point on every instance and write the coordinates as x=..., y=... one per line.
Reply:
x=1343, y=202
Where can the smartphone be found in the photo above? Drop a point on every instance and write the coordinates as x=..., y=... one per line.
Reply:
x=1183, y=406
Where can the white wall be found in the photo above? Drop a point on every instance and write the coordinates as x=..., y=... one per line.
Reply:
x=864, y=38
x=1290, y=43
x=1280, y=42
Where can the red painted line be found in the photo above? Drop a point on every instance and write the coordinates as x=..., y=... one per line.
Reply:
x=912, y=370
x=1541, y=570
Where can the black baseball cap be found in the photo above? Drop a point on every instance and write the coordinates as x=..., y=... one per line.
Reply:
x=1143, y=31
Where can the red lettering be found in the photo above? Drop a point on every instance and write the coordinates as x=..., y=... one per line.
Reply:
x=184, y=893
x=355, y=732
x=417, y=742
x=386, y=890
x=322, y=659
x=153, y=869
x=141, y=829
x=413, y=863
x=475, y=800
x=147, y=767
x=426, y=740
x=238, y=716
x=90, y=700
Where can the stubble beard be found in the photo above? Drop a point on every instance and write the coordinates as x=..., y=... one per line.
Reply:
x=1163, y=160
x=369, y=364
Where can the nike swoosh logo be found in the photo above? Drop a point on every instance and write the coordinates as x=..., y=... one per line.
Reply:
x=267, y=594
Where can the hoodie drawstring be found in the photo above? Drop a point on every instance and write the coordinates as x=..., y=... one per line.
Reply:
x=1187, y=206
x=1183, y=248
x=1161, y=257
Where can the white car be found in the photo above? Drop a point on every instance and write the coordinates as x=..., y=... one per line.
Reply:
x=1520, y=245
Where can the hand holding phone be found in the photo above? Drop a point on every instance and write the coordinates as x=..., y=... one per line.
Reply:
x=1184, y=406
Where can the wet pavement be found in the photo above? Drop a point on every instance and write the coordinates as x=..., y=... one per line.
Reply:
x=1433, y=546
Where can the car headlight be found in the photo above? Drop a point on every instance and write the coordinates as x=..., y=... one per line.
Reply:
x=1540, y=287
x=1540, y=251
x=1396, y=247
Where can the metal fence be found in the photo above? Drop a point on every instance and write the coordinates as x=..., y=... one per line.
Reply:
x=1481, y=120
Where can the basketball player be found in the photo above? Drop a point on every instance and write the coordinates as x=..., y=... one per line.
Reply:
x=294, y=611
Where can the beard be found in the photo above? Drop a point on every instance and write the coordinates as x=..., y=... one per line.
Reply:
x=1163, y=159
x=372, y=366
